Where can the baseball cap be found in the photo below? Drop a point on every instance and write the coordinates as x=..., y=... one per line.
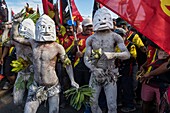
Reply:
x=69, y=22
x=87, y=21
x=120, y=31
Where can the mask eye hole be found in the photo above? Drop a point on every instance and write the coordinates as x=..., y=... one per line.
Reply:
x=99, y=20
x=104, y=18
x=25, y=28
x=49, y=27
x=43, y=26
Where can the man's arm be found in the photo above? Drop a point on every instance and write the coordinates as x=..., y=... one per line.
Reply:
x=5, y=53
x=87, y=55
x=14, y=31
x=161, y=69
x=68, y=65
x=124, y=54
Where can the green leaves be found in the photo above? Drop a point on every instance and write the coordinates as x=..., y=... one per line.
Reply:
x=20, y=84
x=35, y=16
x=79, y=96
x=30, y=80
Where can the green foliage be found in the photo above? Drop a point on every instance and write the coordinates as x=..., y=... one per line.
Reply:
x=79, y=96
x=20, y=84
x=35, y=16
x=30, y=80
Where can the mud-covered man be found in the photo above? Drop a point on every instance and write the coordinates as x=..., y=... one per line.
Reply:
x=99, y=58
x=45, y=52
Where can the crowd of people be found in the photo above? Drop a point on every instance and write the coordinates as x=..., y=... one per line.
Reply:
x=129, y=70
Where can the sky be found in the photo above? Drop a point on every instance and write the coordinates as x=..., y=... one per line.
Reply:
x=84, y=6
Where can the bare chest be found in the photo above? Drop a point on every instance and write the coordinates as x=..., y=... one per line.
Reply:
x=105, y=42
x=44, y=52
x=23, y=51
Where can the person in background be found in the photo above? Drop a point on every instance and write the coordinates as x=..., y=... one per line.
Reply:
x=82, y=74
x=3, y=20
x=8, y=55
x=133, y=36
x=156, y=80
x=66, y=39
x=125, y=82
x=151, y=85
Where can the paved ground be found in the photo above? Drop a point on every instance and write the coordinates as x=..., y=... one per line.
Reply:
x=7, y=106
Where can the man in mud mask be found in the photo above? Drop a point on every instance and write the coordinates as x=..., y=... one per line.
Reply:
x=45, y=52
x=99, y=58
x=26, y=30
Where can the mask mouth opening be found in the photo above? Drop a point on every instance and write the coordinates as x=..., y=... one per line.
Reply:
x=103, y=24
x=46, y=34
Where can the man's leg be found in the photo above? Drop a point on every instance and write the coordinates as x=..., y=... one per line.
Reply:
x=18, y=93
x=147, y=95
x=111, y=97
x=31, y=106
x=54, y=104
x=95, y=107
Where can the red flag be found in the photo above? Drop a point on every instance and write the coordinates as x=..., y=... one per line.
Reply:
x=75, y=12
x=64, y=11
x=48, y=8
x=61, y=12
x=12, y=14
x=150, y=18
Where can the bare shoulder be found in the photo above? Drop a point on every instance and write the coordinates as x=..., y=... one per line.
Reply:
x=117, y=37
x=89, y=39
x=57, y=45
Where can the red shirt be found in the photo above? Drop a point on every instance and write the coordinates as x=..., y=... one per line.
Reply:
x=67, y=42
x=82, y=41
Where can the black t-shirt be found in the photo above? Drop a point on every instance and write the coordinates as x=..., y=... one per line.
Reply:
x=159, y=79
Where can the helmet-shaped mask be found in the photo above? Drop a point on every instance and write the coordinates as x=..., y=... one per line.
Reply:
x=102, y=20
x=27, y=28
x=45, y=29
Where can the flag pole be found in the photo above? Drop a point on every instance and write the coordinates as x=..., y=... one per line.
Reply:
x=69, y=7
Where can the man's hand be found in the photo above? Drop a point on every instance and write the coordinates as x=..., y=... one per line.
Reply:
x=74, y=84
x=110, y=55
x=8, y=25
x=18, y=17
x=79, y=54
x=145, y=78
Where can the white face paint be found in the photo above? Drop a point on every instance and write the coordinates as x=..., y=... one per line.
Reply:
x=102, y=20
x=45, y=29
x=27, y=28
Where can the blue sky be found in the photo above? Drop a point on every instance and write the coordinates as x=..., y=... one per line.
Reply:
x=84, y=6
